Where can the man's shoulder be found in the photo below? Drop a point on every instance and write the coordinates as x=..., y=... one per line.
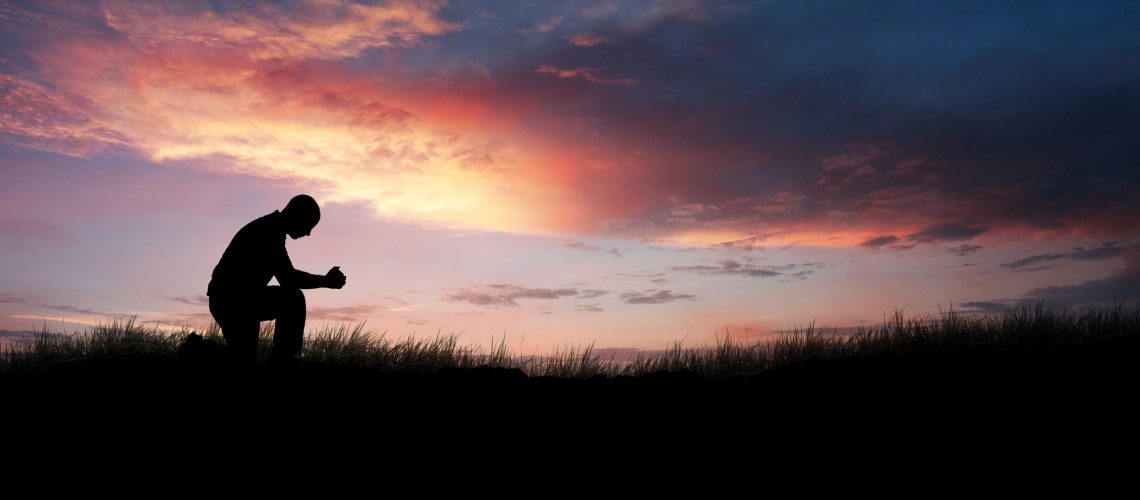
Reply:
x=264, y=227
x=265, y=221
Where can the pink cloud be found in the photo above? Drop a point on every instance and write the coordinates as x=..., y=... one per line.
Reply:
x=41, y=118
x=855, y=157
x=544, y=26
x=254, y=93
x=587, y=39
x=260, y=91
x=310, y=29
x=588, y=74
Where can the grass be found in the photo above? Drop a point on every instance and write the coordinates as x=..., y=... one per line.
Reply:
x=948, y=333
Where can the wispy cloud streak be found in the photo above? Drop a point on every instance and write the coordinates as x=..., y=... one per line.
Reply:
x=655, y=296
x=505, y=295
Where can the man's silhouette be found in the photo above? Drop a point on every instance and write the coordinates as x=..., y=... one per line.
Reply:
x=240, y=298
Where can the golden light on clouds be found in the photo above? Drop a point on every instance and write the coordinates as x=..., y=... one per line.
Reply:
x=404, y=168
x=241, y=94
x=318, y=29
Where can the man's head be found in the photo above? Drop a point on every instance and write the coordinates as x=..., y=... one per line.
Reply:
x=301, y=215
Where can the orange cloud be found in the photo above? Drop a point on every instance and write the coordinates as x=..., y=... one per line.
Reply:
x=217, y=92
x=261, y=92
x=309, y=29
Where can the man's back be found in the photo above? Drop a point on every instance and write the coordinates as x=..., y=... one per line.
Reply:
x=254, y=256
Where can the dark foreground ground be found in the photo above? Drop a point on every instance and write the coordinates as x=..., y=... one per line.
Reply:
x=1055, y=408
x=1097, y=379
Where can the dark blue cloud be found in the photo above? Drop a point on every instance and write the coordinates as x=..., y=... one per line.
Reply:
x=985, y=307
x=964, y=250
x=729, y=267
x=1104, y=252
x=1040, y=103
x=1121, y=286
x=880, y=241
x=947, y=232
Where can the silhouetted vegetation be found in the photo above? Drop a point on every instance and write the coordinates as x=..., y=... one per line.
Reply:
x=1026, y=328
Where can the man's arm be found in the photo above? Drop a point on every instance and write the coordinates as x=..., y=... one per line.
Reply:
x=290, y=277
x=295, y=278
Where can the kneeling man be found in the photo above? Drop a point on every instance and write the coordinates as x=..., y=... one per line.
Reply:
x=240, y=295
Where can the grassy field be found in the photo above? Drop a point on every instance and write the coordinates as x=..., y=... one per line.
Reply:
x=1031, y=382
x=950, y=334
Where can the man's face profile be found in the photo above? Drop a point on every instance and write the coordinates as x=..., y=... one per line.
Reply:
x=300, y=216
x=301, y=229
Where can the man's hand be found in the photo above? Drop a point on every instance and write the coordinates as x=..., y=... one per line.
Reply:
x=335, y=278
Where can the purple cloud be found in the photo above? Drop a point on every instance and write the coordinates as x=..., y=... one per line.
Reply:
x=654, y=296
x=503, y=295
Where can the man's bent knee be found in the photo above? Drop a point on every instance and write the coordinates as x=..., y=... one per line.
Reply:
x=295, y=297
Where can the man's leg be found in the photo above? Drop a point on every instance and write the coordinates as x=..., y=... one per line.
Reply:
x=241, y=339
x=240, y=328
x=288, y=306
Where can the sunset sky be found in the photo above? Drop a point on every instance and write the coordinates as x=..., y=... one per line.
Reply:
x=628, y=173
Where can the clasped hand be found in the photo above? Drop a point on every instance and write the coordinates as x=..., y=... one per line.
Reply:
x=335, y=278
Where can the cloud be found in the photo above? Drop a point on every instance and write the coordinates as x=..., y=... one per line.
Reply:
x=195, y=300
x=579, y=245
x=589, y=308
x=964, y=250
x=845, y=168
x=985, y=307
x=589, y=294
x=505, y=295
x=10, y=298
x=947, y=232
x=652, y=277
x=857, y=156
x=748, y=244
x=730, y=267
x=1121, y=286
x=32, y=301
x=305, y=29
x=543, y=27
x=636, y=17
x=1098, y=253
x=880, y=241
x=1104, y=252
x=589, y=74
x=355, y=313
x=802, y=275
x=1028, y=261
x=46, y=119
x=10, y=338
x=360, y=101
x=588, y=39
x=263, y=91
x=654, y=296
x=910, y=166
x=775, y=205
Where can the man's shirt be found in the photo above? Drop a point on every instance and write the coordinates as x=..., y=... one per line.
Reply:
x=256, y=254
